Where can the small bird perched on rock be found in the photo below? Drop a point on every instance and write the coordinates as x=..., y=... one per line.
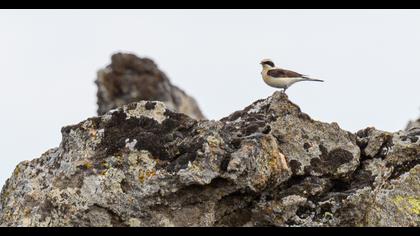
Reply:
x=281, y=78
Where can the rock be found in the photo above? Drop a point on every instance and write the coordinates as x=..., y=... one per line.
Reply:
x=131, y=79
x=414, y=124
x=397, y=203
x=269, y=164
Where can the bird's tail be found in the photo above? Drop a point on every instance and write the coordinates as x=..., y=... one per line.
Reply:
x=305, y=78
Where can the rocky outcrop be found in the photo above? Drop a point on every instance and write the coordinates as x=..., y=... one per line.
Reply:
x=131, y=79
x=414, y=124
x=143, y=164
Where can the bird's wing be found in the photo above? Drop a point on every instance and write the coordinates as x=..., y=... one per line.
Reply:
x=283, y=73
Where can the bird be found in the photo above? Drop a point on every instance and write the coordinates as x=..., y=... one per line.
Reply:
x=281, y=78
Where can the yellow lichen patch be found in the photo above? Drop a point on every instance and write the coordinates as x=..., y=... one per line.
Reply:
x=118, y=159
x=415, y=204
x=105, y=165
x=134, y=222
x=132, y=159
x=273, y=162
x=213, y=141
x=277, y=161
x=5, y=194
x=144, y=175
x=16, y=171
x=409, y=204
x=328, y=214
x=88, y=165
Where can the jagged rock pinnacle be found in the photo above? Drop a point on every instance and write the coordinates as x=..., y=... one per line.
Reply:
x=131, y=79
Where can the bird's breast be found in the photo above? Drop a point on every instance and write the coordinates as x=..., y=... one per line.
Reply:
x=281, y=82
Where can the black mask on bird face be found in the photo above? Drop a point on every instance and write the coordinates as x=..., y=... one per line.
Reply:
x=270, y=63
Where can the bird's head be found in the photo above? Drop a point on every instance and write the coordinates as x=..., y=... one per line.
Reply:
x=267, y=63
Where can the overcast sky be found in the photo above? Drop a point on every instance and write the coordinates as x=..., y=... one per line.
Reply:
x=370, y=60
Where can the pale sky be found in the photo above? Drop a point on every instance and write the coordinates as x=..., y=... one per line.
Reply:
x=49, y=58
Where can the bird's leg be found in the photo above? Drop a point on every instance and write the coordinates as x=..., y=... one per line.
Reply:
x=284, y=90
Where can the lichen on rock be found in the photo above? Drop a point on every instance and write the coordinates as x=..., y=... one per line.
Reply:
x=132, y=79
x=146, y=163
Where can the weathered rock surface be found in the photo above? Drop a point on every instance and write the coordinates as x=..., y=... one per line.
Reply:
x=132, y=79
x=414, y=124
x=268, y=164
